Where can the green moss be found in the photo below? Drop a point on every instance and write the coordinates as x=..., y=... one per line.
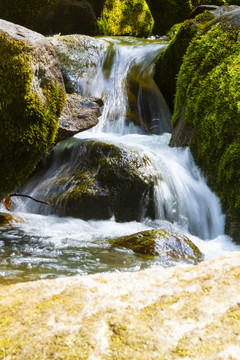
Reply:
x=28, y=127
x=208, y=84
x=24, y=12
x=126, y=17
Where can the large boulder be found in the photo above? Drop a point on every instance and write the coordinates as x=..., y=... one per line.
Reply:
x=126, y=17
x=170, y=247
x=93, y=179
x=54, y=16
x=189, y=312
x=32, y=96
x=207, y=101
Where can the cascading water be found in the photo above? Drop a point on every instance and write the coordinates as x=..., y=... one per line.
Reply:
x=135, y=117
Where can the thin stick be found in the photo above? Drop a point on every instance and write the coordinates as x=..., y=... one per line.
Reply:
x=30, y=197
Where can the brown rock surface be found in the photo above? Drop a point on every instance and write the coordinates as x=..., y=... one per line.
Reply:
x=190, y=312
x=78, y=114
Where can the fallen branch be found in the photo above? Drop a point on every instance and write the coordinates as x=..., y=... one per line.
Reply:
x=30, y=197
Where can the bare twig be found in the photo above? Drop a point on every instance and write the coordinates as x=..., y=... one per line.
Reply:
x=30, y=197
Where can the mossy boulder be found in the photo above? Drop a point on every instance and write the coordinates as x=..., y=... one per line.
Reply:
x=168, y=246
x=207, y=100
x=31, y=99
x=126, y=17
x=91, y=179
x=53, y=16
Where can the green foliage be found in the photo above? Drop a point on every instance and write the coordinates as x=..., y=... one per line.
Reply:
x=126, y=17
x=24, y=12
x=208, y=83
x=28, y=126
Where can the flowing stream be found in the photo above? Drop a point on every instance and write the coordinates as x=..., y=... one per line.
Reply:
x=136, y=116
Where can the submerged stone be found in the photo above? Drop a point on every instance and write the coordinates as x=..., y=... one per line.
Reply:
x=167, y=245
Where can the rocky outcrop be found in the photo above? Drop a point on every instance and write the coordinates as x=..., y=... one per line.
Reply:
x=207, y=101
x=185, y=312
x=168, y=246
x=31, y=99
x=78, y=114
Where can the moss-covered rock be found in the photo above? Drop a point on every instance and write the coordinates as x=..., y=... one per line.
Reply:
x=126, y=17
x=31, y=100
x=168, y=246
x=171, y=57
x=95, y=180
x=208, y=91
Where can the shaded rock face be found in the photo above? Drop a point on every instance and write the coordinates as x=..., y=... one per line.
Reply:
x=78, y=114
x=185, y=312
x=54, y=16
x=67, y=17
x=168, y=246
x=95, y=180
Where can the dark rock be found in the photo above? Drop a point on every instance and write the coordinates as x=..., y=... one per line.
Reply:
x=68, y=17
x=182, y=133
x=96, y=180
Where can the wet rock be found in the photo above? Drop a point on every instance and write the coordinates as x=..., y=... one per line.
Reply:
x=185, y=312
x=78, y=114
x=95, y=180
x=7, y=220
x=77, y=55
x=168, y=246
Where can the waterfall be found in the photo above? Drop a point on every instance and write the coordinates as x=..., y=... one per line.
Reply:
x=136, y=118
